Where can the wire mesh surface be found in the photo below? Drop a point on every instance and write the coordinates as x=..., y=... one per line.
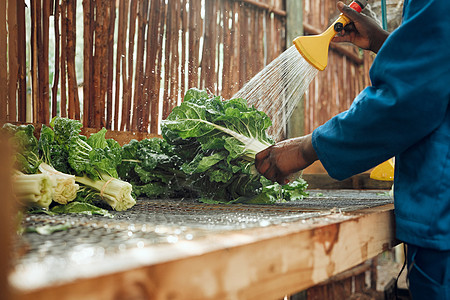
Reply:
x=152, y=222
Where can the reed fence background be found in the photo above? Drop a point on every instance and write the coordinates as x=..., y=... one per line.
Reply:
x=140, y=56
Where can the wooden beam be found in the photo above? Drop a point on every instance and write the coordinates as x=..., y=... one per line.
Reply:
x=265, y=6
x=294, y=28
x=359, y=181
x=8, y=210
x=21, y=41
x=3, y=62
x=259, y=263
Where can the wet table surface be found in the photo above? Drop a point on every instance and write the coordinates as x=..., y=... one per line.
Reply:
x=153, y=230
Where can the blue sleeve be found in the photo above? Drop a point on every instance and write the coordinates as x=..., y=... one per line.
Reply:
x=407, y=100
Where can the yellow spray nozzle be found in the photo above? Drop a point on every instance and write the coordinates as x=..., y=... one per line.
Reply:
x=314, y=48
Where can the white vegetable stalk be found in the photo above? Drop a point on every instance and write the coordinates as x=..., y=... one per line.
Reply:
x=115, y=192
x=64, y=187
x=33, y=189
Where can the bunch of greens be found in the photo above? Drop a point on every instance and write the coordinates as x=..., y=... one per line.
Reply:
x=37, y=183
x=153, y=169
x=65, y=156
x=218, y=141
x=93, y=160
x=26, y=146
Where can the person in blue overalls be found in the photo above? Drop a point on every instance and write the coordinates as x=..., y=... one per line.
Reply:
x=404, y=113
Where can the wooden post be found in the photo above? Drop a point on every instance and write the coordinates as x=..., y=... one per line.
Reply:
x=294, y=28
x=6, y=213
x=3, y=63
x=21, y=56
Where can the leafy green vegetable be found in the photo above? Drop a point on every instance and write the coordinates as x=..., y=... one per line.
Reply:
x=53, y=153
x=22, y=137
x=47, y=229
x=65, y=153
x=95, y=155
x=94, y=160
x=80, y=208
x=218, y=141
x=153, y=169
x=293, y=191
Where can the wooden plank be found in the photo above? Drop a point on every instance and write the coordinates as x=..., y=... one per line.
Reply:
x=294, y=28
x=7, y=225
x=226, y=40
x=219, y=46
x=243, y=45
x=63, y=93
x=155, y=99
x=57, y=50
x=174, y=66
x=120, y=56
x=13, y=63
x=208, y=48
x=194, y=40
x=149, y=74
x=34, y=59
x=87, y=61
x=167, y=59
x=142, y=13
x=184, y=27
x=267, y=7
x=260, y=40
x=258, y=263
x=127, y=109
x=74, y=103
x=235, y=59
x=110, y=65
x=22, y=89
x=43, y=67
x=360, y=181
x=151, y=66
x=252, y=44
x=124, y=68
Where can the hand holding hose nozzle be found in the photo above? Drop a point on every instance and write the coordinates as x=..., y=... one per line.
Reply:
x=315, y=48
x=361, y=30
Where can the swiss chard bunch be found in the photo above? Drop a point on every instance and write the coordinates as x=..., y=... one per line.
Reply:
x=93, y=160
x=153, y=168
x=93, y=156
x=36, y=183
x=218, y=141
x=26, y=146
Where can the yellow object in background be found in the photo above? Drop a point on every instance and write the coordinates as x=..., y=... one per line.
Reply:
x=384, y=171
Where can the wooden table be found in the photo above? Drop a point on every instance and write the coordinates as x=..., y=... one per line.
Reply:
x=263, y=262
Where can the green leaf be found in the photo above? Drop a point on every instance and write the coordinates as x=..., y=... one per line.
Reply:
x=48, y=229
x=98, y=140
x=76, y=207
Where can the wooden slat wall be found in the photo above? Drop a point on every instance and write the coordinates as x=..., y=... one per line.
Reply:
x=12, y=61
x=333, y=90
x=140, y=56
